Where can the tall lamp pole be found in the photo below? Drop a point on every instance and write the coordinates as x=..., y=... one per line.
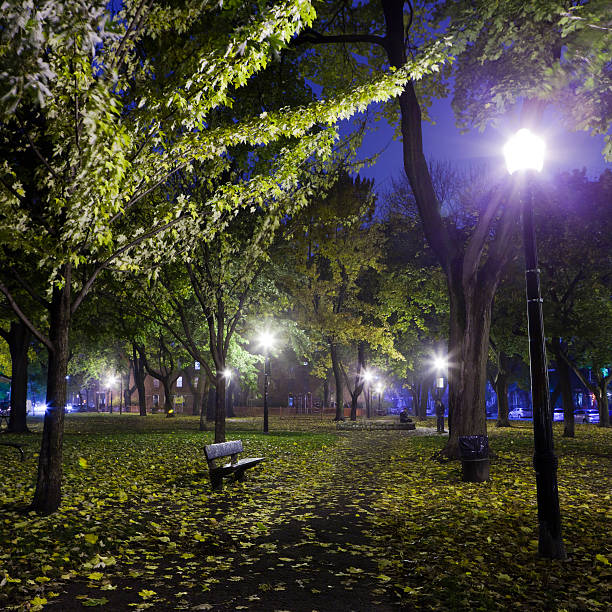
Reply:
x=266, y=341
x=524, y=153
x=227, y=373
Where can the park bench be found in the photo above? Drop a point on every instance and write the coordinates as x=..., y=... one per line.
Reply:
x=19, y=447
x=236, y=467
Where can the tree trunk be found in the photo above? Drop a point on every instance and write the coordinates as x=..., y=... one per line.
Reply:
x=470, y=323
x=211, y=402
x=139, y=380
x=354, y=399
x=325, y=393
x=47, y=496
x=18, y=339
x=423, y=393
x=602, y=401
x=219, y=407
x=333, y=351
x=168, y=408
x=565, y=385
x=204, y=404
x=501, y=391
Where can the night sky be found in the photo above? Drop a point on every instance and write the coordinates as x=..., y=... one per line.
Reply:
x=443, y=141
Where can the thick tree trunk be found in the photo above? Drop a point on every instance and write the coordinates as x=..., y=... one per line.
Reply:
x=47, y=496
x=501, y=391
x=333, y=351
x=470, y=323
x=18, y=339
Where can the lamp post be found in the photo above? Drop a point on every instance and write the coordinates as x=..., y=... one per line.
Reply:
x=227, y=374
x=439, y=386
x=266, y=341
x=110, y=381
x=524, y=154
x=368, y=377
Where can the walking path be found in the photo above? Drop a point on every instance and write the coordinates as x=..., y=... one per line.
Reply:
x=301, y=540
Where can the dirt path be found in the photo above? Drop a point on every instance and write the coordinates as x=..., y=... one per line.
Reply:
x=301, y=540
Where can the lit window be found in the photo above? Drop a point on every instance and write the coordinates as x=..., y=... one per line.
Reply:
x=195, y=381
x=156, y=400
x=155, y=383
x=179, y=381
x=197, y=365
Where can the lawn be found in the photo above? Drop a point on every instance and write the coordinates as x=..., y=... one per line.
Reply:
x=370, y=515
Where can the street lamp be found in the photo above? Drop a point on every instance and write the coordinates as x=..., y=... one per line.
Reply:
x=439, y=386
x=227, y=374
x=524, y=154
x=110, y=381
x=379, y=389
x=368, y=377
x=266, y=341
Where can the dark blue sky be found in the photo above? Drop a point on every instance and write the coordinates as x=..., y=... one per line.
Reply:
x=443, y=141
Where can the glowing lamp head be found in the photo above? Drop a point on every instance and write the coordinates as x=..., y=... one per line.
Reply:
x=266, y=340
x=227, y=374
x=379, y=388
x=367, y=376
x=440, y=363
x=524, y=151
x=110, y=381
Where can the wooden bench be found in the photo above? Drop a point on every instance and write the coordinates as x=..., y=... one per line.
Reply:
x=19, y=447
x=235, y=467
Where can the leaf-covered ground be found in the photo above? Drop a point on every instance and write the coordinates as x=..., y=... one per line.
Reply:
x=348, y=521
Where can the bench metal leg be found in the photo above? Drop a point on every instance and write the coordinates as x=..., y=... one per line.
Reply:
x=216, y=482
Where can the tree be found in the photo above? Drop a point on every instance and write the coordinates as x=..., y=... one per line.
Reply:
x=471, y=260
x=98, y=110
x=18, y=338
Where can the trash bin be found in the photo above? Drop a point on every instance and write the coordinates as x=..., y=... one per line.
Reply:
x=474, y=452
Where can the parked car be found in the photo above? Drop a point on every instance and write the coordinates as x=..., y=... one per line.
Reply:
x=520, y=413
x=586, y=415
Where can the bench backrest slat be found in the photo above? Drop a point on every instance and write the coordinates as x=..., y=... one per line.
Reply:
x=223, y=449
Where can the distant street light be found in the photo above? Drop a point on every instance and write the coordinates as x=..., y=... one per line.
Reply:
x=266, y=342
x=227, y=374
x=110, y=381
x=368, y=376
x=524, y=154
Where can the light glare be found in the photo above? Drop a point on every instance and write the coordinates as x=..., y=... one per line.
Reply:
x=524, y=151
x=266, y=340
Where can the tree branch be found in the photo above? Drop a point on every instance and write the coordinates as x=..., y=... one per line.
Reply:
x=106, y=262
x=13, y=304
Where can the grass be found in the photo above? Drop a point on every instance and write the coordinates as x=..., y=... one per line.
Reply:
x=138, y=517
